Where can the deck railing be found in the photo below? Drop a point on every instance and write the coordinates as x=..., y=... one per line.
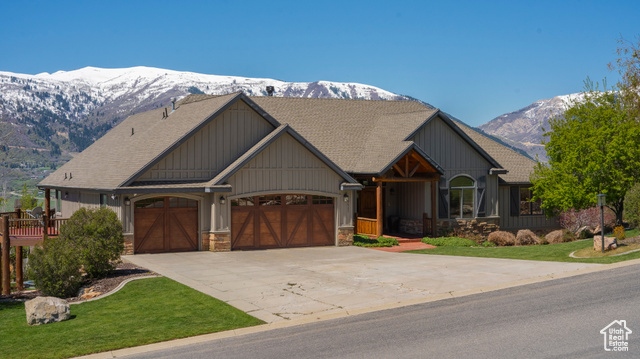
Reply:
x=367, y=226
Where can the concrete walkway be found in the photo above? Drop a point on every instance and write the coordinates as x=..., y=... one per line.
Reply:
x=313, y=283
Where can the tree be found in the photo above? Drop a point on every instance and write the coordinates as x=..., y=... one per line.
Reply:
x=628, y=65
x=632, y=205
x=594, y=147
x=28, y=200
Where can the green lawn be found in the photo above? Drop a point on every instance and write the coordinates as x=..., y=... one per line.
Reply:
x=550, y=252
x=144, y=311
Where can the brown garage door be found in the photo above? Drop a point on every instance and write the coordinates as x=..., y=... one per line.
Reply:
x=165, y=224
x=281, y=221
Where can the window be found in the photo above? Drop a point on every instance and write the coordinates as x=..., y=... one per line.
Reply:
x=150, y=203
x=103, y=200
x=272, y=200
x=296, y=199
x=242, y=202
x=461, y=197
x=322, y=200
x=528, y=207
x=58, y=201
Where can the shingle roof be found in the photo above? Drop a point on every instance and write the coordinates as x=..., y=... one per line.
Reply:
x=519, y=166
x=118, y=156
x=360, y=136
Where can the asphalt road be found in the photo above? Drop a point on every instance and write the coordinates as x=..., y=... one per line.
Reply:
x=555, y=319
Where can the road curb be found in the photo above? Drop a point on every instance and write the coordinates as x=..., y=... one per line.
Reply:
x=316, y=318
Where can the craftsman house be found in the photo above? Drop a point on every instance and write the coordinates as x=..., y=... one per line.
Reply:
x=235, y=172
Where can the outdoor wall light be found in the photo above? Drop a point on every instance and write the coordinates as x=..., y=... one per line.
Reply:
x=113, y=196
x=346, y=197
x=127, y=201
x=222, y=200
x=392, y=191
x=66, y=195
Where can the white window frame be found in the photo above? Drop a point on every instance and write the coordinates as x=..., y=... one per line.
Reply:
x=474, y=188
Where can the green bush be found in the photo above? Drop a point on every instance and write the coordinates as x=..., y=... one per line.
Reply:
x=55, y=268
x=449, y=242
x=489, y=244
x=364, y=241
x=96, y=235
x=632, y=206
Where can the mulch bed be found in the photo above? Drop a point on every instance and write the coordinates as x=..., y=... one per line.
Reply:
x=630, y=240
x=123, y=272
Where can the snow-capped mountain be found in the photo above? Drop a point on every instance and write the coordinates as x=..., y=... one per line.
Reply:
x=523, y=128
x=81, y=105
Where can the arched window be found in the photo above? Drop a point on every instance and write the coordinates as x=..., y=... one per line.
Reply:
x=461, y=197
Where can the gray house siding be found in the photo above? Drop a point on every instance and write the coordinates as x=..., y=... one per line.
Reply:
x=513, y=223
x=457, y=157
x=213, y=148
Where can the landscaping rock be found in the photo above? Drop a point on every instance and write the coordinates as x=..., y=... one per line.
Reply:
x=609, y=243
x=584, y=232
x=502, y=238
x=44, y=310
x=559, y=236
x=526, y=238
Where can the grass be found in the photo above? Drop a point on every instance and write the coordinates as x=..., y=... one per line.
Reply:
x=144, y=311
x=589, y=252
x=364, y=241
x=551, y=252
x=449, y=242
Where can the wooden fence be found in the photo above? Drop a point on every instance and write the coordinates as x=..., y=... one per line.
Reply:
x=366, y=226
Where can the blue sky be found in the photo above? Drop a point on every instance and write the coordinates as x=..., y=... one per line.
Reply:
x=473, y=59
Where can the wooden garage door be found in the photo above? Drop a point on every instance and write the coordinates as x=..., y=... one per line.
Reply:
x=282, y=221
x=165, y=224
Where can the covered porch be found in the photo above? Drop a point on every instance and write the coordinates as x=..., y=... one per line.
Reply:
x=400, y=202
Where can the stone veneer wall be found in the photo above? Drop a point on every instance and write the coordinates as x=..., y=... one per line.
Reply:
x=471, y=227
x=128, y=244
x=345, y=237
x=205, y=239
x=220, y=242
x=411, y=226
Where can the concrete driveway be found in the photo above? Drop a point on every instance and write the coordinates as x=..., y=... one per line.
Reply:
x=323, y=282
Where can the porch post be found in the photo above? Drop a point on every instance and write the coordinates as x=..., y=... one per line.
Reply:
x=6, y=274
x=379, y=209
x=19, y=279
x=47, y=202
x=434, y=221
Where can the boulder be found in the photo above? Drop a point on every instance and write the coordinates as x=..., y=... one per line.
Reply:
x=609, y=243
x=559, y=236
x=584, y=232
x=43, y=310
x=525, y=238
x=502, y=238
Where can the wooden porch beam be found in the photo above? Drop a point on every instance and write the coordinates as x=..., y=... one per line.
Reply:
x=423, y=162
x=413, y=171
x=406, y=166
x=400, y=171
x=6, y=274
x=379, y=209
x=47, y=202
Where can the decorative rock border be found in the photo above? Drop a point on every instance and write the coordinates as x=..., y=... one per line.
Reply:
x=114, y=290
x=613, y=255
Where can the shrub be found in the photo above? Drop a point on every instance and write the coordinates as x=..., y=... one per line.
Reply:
x=574, y=220
x=55, y=268
x=632, y=206
x=525, y=238
x=560, y=236
x=543, y=240
x=502, y=238
x=488, y=244
x=449, y=242
x=618, y=232
x=96, y=235
x=365, y=241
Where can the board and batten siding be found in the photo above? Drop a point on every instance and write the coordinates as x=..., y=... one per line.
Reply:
x=512, y=223
x=213, y=148
x=285, y=166
x=457, y=157
x=412, y=198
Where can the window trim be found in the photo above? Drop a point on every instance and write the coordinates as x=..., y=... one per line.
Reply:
x=530, y=214
x=474, y=192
